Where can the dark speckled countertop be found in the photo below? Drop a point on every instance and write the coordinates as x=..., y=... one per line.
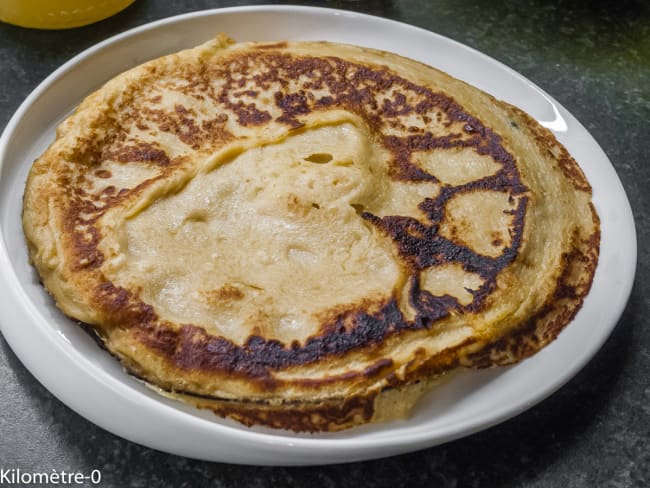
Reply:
x=594, y=57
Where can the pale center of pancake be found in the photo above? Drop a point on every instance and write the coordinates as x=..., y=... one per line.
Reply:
x=271, y=242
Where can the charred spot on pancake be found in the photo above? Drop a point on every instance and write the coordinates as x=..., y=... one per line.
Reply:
x=102, y=173
x=226, y=292
x=143, y=152
x=126, y=309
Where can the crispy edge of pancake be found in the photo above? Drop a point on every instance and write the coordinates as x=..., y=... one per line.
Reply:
x=339, y=412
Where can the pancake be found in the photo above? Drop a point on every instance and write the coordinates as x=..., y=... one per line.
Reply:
x=308, y=235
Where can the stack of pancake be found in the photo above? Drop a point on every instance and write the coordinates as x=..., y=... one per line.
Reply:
x=307, y=235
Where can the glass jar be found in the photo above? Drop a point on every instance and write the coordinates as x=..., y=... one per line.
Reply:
x=58, y=14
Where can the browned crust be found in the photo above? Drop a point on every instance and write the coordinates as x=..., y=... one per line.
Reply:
x=576, y=272
x=330, y=416
x=557, y=312
x=358, y=328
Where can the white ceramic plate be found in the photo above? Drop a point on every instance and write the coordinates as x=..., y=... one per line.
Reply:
x=73, y=368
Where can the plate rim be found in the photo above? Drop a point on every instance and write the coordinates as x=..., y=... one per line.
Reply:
x=396, y=443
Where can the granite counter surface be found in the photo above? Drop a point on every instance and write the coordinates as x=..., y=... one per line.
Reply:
x=594, y=57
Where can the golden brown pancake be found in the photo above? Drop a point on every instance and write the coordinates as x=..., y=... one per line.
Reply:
x=306, y=235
